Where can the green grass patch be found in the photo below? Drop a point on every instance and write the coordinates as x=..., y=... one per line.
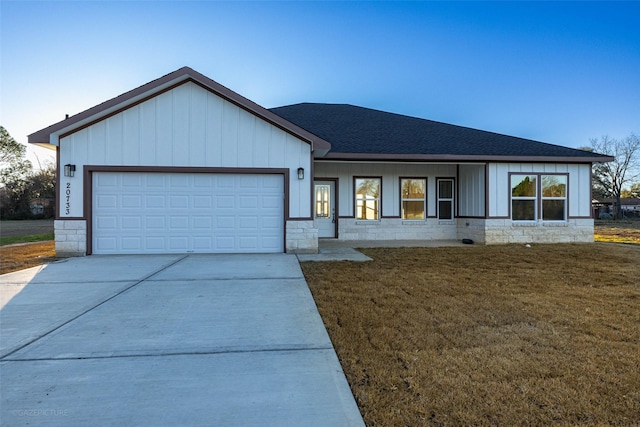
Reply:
x=4, y=241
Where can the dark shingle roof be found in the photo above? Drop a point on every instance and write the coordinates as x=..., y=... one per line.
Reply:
x=353, y=130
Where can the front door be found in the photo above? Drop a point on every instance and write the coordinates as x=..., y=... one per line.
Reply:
x=325, y=208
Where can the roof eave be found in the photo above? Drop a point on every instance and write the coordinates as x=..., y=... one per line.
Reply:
x=51, y=134
x=464, y=158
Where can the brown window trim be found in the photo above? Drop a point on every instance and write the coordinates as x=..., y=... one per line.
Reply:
x=454, y=213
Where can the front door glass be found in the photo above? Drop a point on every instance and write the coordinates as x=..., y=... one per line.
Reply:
x=325, y=208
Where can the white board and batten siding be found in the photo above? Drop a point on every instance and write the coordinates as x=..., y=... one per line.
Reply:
x=471, y=190
x=186, y=126
x=391, y=174
x=579, y=185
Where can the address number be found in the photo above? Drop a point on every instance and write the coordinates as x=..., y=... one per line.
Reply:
x=67, y=206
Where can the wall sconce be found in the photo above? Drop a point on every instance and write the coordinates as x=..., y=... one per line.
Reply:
x=300, y=173
x=69, y=170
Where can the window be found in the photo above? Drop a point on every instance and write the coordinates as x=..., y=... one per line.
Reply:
x=554, y=197
x=445, y=199
x=413, y=198
x=368, y=198
x=323, y=207
x=528, y=192
x=524, y=197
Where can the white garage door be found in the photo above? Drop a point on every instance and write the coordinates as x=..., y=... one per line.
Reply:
x=140, y=213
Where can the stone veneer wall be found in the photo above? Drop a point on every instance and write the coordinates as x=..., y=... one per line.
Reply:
x=396, y=229
x=302, y=237
x=505, y=231
x=471, y=228
x=480, y=230
x=71, y=237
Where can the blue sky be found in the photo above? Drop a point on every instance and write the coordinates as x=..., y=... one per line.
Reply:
x=558, y=72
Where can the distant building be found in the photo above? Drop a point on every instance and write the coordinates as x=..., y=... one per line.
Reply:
x=603, y=208
x=42, y=206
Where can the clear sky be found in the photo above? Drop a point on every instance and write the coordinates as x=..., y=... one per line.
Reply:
x=558, y=72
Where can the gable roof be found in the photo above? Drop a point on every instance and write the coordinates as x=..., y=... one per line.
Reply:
x=51, y=134
x=367, y=134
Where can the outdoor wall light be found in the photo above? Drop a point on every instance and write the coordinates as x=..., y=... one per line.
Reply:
x=300, y=173
x=69, y=170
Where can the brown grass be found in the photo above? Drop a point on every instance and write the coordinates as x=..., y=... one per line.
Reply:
x=619, y=231
x=499, y=335
x=19, y=257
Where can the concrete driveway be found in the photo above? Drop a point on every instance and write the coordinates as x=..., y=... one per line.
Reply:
x=212, y=340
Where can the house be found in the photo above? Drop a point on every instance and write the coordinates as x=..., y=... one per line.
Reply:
x=630, y=206
x=182, y=164
x=603, y=208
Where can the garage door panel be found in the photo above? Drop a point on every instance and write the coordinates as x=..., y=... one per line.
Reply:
x=131, y=243
x=177, y=213
x=179, y=244
x=155, y=201
x=154, y=180
x=225, y=202
x=155, y=244
x=225, y=222
x=179, y=181
x=202, y=242
x=179, y=202
x=202, y=223
x=133, y=223
x=178, y=223
x=249, y=222
x=249, y=182
x=271, y=202
x=107, y=201
x=132, y=201
x=132, y=181
x=203, y=202
x=107, y=243
x=248, y=202
x=107, y=180
x=107, y=223
x=155, y=223
x=272, y=222
x=247, y=242
x=225, y=243
x=271, y=243
x=203, y=181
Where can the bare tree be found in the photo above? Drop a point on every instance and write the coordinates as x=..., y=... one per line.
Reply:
x=609, y=178
x=633, y=192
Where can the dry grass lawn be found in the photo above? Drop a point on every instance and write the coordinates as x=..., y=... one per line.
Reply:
x=19, y=257
x=619, y=231
x=498, y=335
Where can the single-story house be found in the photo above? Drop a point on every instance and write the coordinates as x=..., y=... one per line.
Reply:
x=605, y=206
x=184, y=165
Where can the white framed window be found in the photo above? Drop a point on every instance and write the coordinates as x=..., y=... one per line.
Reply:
x=414, y=201
x=524, y=197
x=367, y=191
x=539, y=196
x=554, y=197
x=445, y=199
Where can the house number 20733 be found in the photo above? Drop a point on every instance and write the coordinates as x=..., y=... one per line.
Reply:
x=67, y=206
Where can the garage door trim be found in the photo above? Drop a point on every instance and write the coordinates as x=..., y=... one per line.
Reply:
x=90, y=169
